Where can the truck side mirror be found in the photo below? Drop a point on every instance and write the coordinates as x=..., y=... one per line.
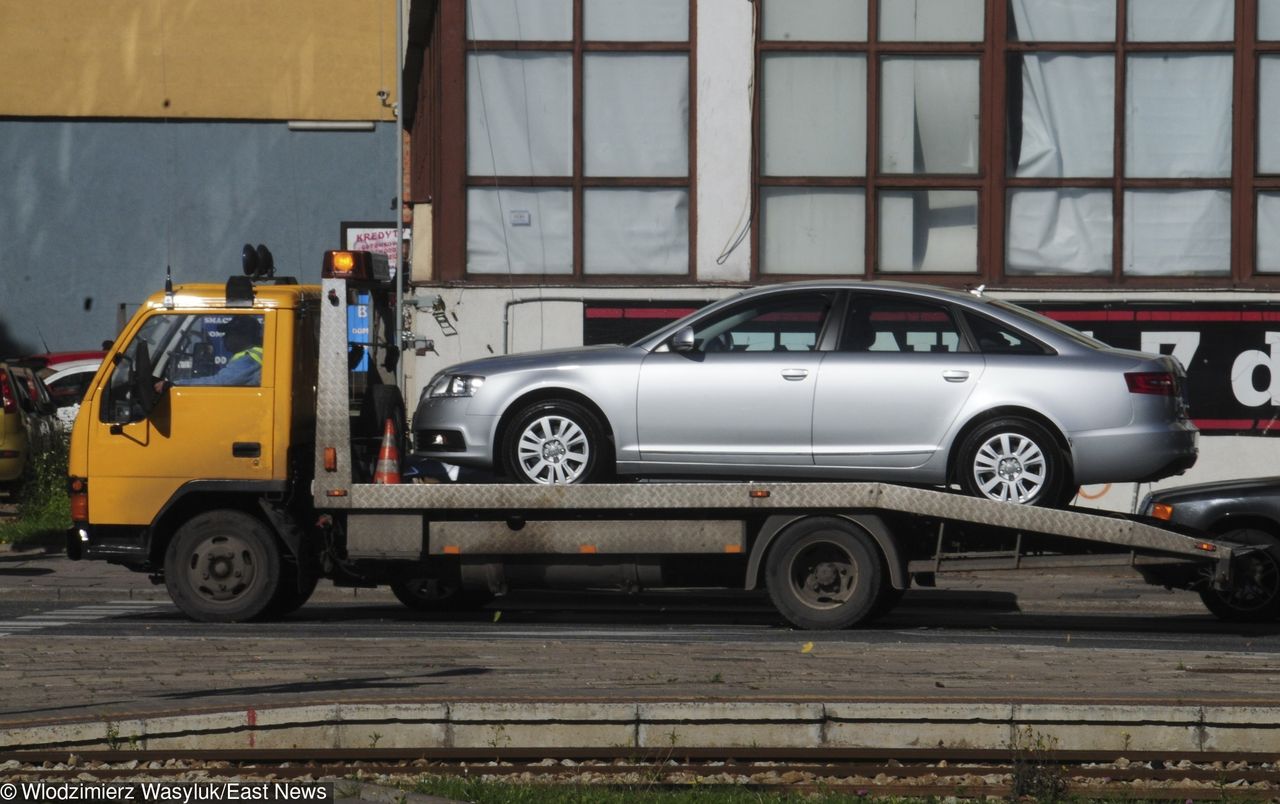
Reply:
x=682, y=341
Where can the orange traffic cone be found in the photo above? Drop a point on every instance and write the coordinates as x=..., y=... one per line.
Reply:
x=388, y=468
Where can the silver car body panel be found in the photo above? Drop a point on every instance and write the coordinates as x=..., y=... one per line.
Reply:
x=833, y=414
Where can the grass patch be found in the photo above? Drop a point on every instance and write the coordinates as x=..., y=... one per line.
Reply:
x=44, y=512
x=486, y=792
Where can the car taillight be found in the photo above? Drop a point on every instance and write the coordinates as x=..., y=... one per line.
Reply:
x=6, y=393
x=1159, y=383
x=78, y=492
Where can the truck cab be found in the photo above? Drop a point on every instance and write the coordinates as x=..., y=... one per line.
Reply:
x=169, y=426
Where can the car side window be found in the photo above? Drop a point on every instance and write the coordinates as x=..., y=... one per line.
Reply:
x=994, y=338
x=789, y=323
x=888, y=324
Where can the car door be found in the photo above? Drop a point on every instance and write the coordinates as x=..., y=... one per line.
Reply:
x=744, y=394
x=890, y=392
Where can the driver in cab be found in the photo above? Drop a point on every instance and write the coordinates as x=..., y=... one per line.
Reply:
x=242, y=337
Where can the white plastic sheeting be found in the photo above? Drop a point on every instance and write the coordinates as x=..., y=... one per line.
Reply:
x=815, y=115
x=1178, y=116
x=1059, y=231
x=1064, y=20
x=520, y=20
x=929, y=115
x=630, y=21
x=1269, y=233
x=933, y=230
x=635, y=114
x=931, y=20
x=1068, y=109
x=636, y=231
x=1269, y=114
x=1269, y=19
x=519, y=114
x=816, y=20
x=519, y=231
x=1181, y=20
x=1177, y=232
x=812, y=230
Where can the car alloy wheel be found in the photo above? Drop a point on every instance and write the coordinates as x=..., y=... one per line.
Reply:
x=1010, y=467
x=555, y=443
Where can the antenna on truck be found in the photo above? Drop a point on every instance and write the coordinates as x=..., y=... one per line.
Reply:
x=168, y=287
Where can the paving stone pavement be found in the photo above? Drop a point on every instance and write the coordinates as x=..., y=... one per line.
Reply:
x=48, y=677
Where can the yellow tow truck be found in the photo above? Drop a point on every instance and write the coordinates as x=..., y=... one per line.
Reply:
x=234, y=445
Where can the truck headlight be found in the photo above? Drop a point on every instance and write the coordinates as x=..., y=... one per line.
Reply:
x=454, y=385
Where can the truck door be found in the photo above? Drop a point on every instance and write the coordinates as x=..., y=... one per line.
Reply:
x=213, y=420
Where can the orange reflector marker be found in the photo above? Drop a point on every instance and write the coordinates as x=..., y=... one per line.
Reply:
x=331, y=459
x=587, y=548
x=452, y=549
x=733, y=548
x=79, y=507
x=1208, y=548
x=758, y=494
x=336, y=493
x=1162, y=511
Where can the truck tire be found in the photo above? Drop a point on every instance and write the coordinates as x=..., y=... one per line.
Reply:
x=824, y=573
x=1013, y=460
x=555, y=442
x=223, y=566
x=435, y=594
x=1255, y=594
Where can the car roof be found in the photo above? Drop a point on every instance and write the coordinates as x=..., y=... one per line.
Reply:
x=73, y=367
x=57, y=360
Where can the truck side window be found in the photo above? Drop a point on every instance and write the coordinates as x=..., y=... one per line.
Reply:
x=189, y=349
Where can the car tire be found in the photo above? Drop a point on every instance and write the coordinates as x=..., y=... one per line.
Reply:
x=1013, y=460
x=824, y=573
x=556, y=443
x=1255, y=596
x=223, y=566
x=296, y=586
x=437, y=594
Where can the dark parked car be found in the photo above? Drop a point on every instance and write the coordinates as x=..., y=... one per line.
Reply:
x=1240, y=511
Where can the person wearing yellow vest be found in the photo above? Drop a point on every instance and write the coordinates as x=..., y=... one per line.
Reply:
x=242, y=336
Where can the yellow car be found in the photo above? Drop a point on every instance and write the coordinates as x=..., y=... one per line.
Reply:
x=27, y=422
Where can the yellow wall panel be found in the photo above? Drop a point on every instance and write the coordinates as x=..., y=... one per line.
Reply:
x=242, y=59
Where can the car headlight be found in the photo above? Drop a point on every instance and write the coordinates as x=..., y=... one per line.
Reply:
x=454, y=385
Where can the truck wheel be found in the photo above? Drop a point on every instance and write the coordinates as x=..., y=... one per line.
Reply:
x=436, y=594
x=222, y=566
x=556, y=442
x=1012, y=460
x=1255, y=593
x=824, y=573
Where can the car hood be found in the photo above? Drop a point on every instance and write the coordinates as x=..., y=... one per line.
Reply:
x=546, y=358
x=1221, y=488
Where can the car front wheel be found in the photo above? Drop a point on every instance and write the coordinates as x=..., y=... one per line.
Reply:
x=1013, y=460
x=555, y=443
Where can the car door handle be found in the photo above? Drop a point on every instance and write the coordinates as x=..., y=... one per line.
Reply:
x=794, y=374
x=955, y=375
x=246, y=449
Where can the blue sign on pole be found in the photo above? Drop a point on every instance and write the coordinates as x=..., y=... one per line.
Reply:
x=358, y=328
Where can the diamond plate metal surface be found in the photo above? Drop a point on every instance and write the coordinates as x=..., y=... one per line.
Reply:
x=595, y=536
x=333, y=420
x=385, y=535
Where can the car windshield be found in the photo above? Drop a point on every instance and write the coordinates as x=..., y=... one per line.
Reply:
x=1048, y=323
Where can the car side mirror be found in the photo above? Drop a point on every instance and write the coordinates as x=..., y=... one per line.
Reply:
x=682, y=341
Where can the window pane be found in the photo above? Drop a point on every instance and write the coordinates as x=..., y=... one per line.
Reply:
x=636, y=114
x=1066, y=126
x=1269, y=19
x=934, y=230
x=789, y=323
x=519, y=20
x=627, y=20
x=929, y=115
x=1268, y=114
x=1053, y=232
x=816, y=20
x=635, y=231
x=1269, y=233
x=519, y=114
x=1063, y=20
x=1177, y=232
x=888, y=324
x=1181, y=20
x=931, y=20
x=815, y=115
x=519, y=231
x=1178, y=116
x=812, y=231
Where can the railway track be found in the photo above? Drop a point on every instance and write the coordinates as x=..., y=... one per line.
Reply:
x=865, y=772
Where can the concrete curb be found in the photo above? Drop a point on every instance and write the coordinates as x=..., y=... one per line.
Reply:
x=664, y=725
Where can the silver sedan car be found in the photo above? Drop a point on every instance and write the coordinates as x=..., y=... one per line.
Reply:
x=826, y=380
